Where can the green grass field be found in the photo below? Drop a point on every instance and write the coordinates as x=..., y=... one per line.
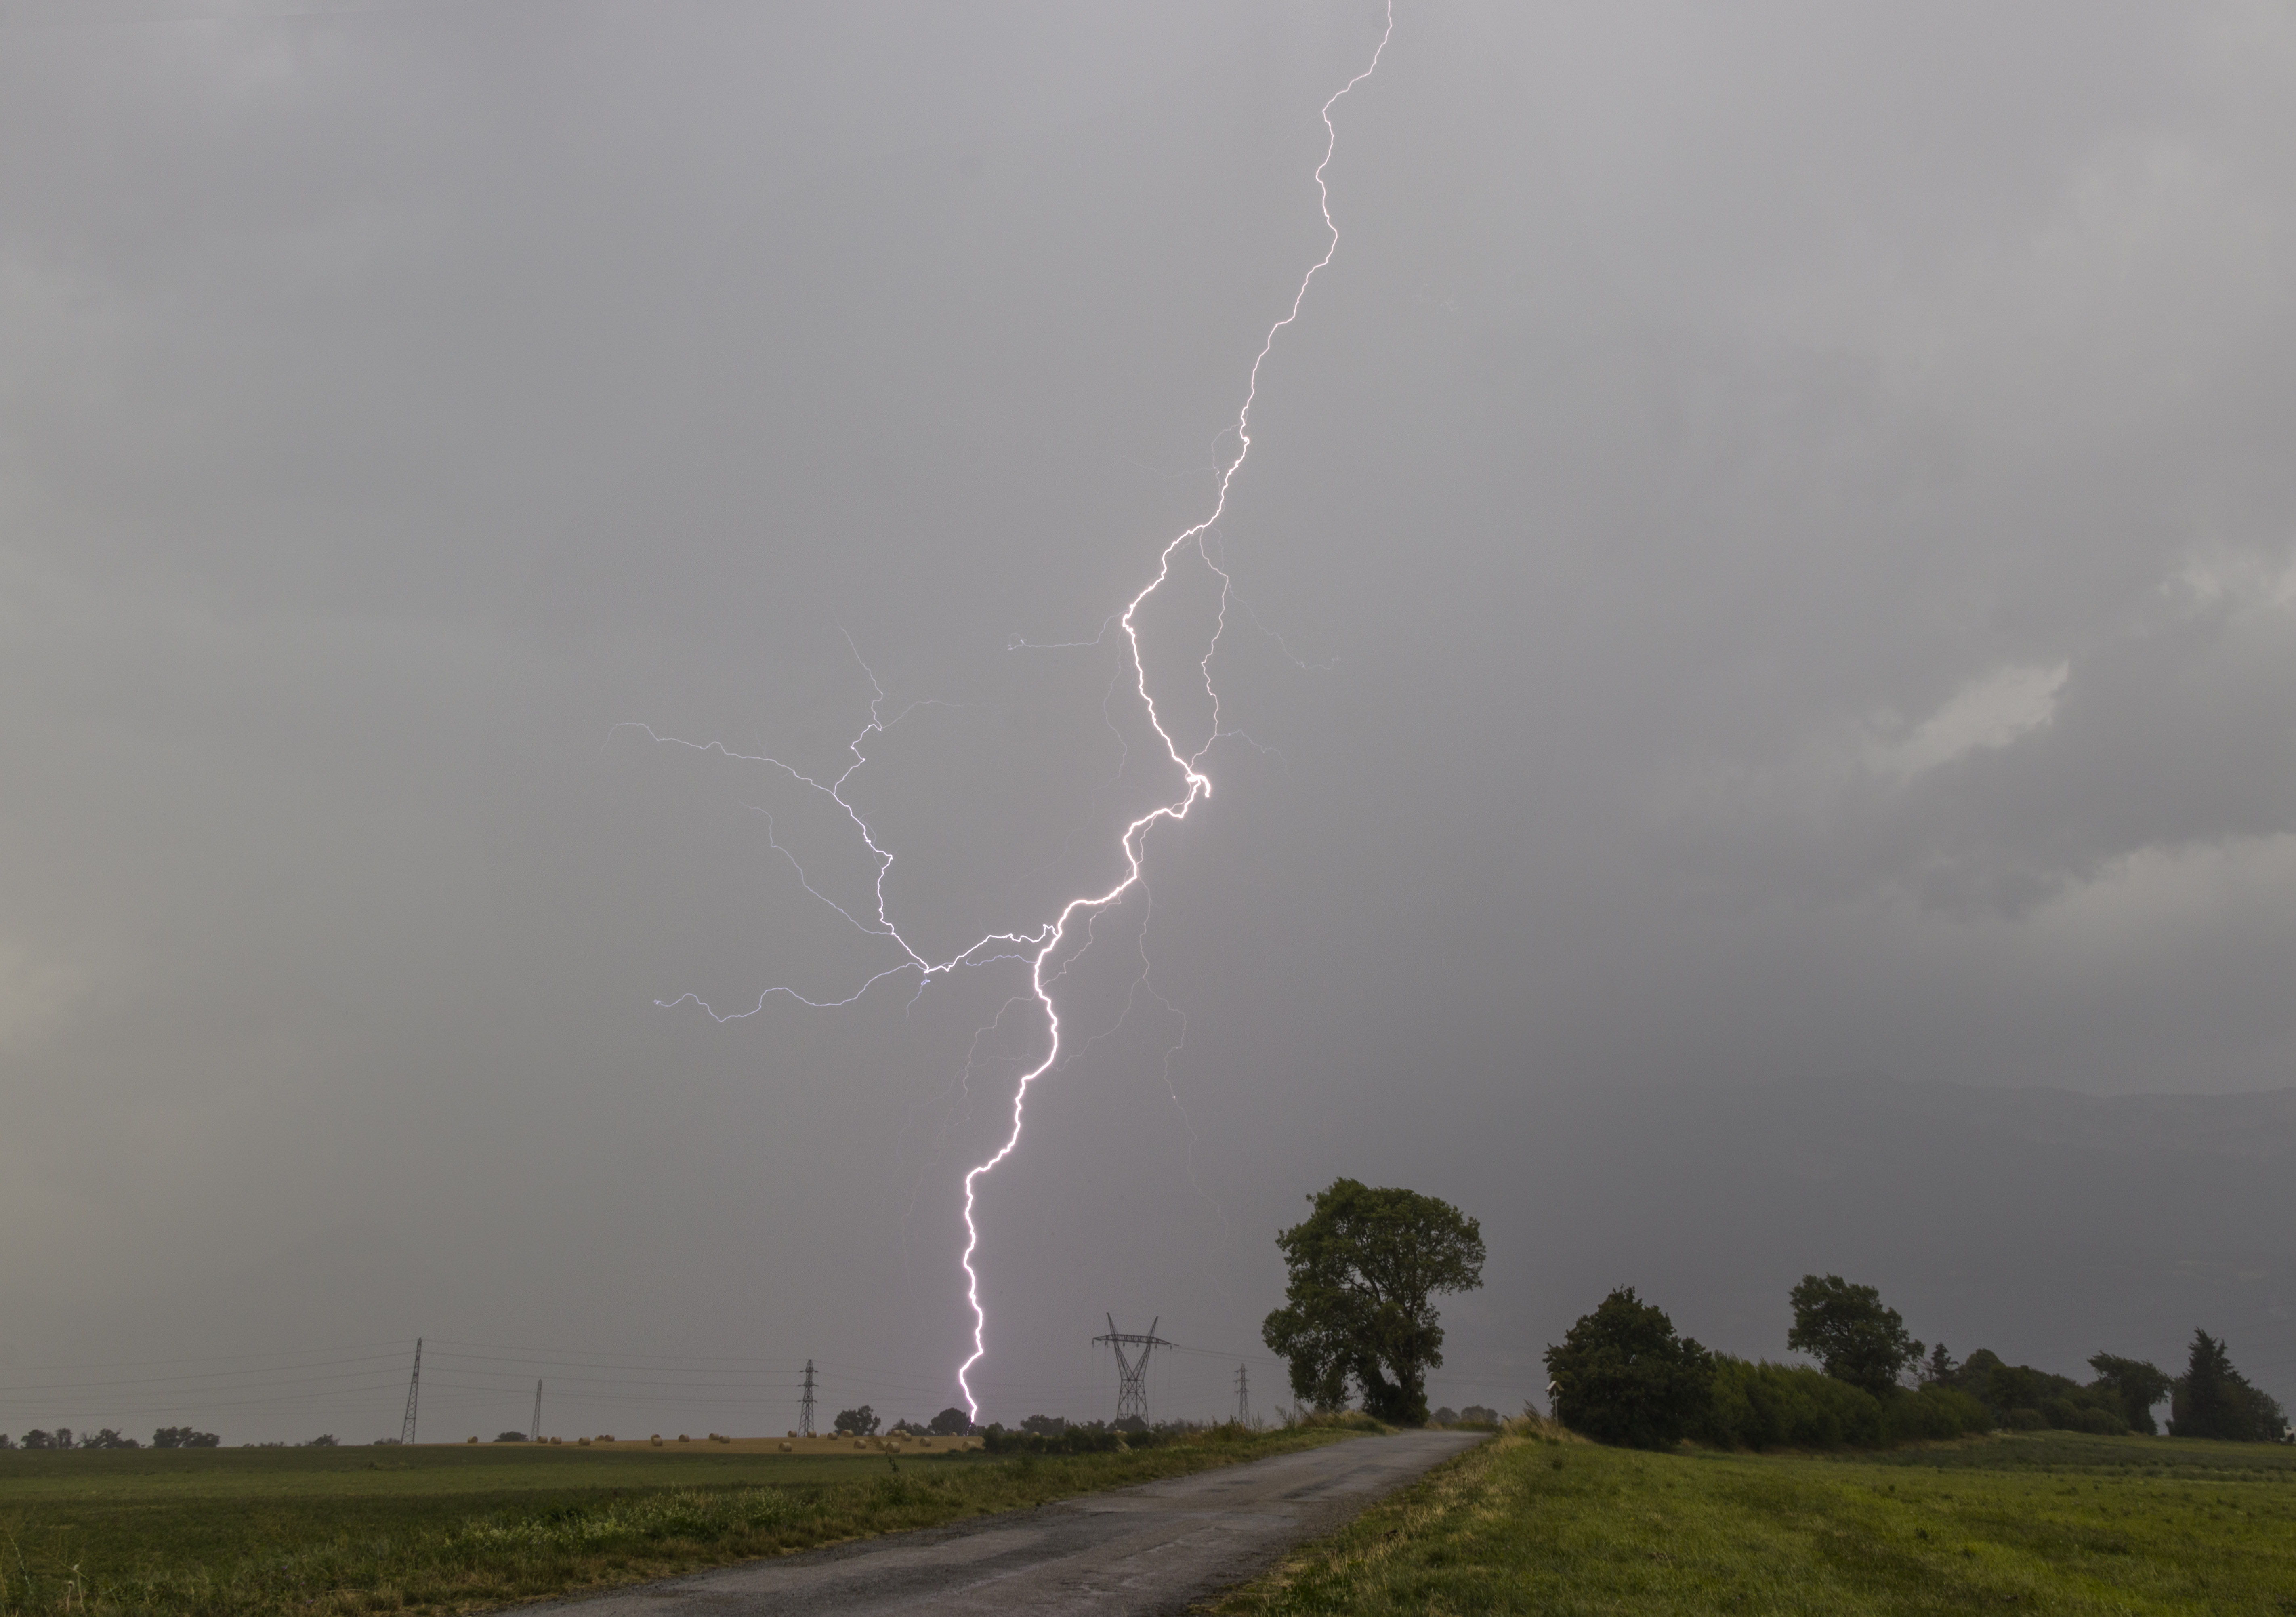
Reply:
x=244, y=1531
x=2052, y=1522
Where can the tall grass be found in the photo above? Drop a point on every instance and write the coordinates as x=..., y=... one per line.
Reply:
x=139, y=1540
x=1338, y=1420
x=2074, y=1526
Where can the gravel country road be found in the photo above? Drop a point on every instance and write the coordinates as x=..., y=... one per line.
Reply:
x=1156, y=1548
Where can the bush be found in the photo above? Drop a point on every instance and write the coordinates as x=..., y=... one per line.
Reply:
x=857, y=1422
x=2080, y=1414
x=2212, y=1400
x=1338, y=1420
x=1049, y=1434
x=1074, y=1439
x=1934, y=1415
x=2132, y=1386
x=1767, y=1406
x=2018, y=1395
x=1621, y=1376
x=184, y=1437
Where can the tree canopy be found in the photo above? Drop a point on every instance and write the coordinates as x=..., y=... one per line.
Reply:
x=2019, y=1396
x=1621, y=1376
x=183, y=1437
x=1851, y=1333
x=1357, y=1313
x=2134, y=1385
x=2213, y=1399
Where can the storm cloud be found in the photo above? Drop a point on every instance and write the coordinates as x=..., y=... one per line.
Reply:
x=1770, y=555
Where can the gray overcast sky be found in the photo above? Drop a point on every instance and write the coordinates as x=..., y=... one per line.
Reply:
x=1770, y=554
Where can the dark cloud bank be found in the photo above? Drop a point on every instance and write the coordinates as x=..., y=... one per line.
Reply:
x=1781, y=533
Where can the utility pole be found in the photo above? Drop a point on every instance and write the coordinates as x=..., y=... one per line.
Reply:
x=805, y=1409
x=1242, y=1397
x=1132, y=1375
x=535, y=1436
x=413, y=1385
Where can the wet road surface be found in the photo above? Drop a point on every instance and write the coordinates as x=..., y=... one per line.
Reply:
x=1156, y=1548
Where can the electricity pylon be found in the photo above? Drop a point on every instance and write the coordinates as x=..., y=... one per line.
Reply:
x=805, y=1409
x=1242, y=1397
x=1132, y=1375
x=413, y=1385
x=535, y=1436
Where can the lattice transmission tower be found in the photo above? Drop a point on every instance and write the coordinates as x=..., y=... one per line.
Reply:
x=535, y=1436
x=805, y=1409
x=1131, y=1373
x=414, y=1386
x=1242, y=1397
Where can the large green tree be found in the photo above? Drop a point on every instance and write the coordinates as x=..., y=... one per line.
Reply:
x=2134, y=1385
x=1621, y=1376
x=2213, y=1399
x=1357, y=1312
x=1853, y=1337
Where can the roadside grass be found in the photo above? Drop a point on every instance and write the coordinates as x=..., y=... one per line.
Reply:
x=2056, y=1522
x=253, y=1532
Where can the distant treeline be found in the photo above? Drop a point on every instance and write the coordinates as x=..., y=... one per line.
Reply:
x=165, y=1437
x=1622, y=1374
x=864, y=1421
x=2210, y=1399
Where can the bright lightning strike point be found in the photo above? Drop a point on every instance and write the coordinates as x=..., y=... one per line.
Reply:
x=1037, y=946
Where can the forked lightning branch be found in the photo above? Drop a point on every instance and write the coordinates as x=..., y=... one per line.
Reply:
x=1037, y=947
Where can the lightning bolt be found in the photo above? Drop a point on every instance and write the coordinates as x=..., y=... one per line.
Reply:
x=1198, y=784
x=1038, y=947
